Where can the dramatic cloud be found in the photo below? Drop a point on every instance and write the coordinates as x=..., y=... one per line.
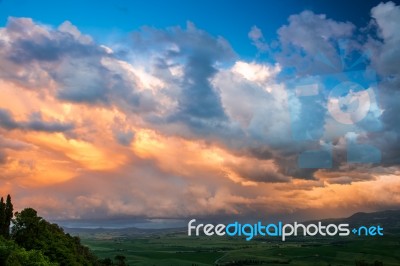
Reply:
x=385, y=56
x=387, y=16
x=6, y=120
x=309, y=43
x=172, y=123
x=35, y=123
x=188, y=58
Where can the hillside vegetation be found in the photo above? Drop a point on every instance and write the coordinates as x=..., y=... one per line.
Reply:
x=31, y=240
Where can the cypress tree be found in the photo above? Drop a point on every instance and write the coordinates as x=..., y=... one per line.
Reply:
x=9, y=208
x=2, y=216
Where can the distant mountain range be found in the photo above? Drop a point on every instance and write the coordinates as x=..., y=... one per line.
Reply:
x=120, y=232
x=389, y=219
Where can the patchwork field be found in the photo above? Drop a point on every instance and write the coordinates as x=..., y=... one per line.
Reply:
x=178, y=249
x=173, y=247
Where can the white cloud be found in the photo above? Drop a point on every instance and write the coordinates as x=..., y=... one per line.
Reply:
x=387, y=16
x=309, y=42
x=257, y=37
x=255, y=72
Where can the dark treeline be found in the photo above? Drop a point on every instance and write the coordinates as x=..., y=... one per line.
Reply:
x=31, y=240
x=6, y=214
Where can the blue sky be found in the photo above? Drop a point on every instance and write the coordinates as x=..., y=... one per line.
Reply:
x=230, y=19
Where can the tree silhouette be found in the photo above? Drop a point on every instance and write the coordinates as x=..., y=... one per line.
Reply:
x=2, y=216
x=35, y=241
x=26, y=228
x=9, y=208
x=32, y=232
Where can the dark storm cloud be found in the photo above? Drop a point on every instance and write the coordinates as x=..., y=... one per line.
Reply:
x=83, y=81
x=48, y=49
x=39, y=45
x=6, y=120
x=258, y=172
x=290, y=167
x=124, y=138
x=199, y=105
x=34, y=123
x=198, y=99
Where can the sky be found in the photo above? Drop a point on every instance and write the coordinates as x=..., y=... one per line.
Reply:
x=131, y=111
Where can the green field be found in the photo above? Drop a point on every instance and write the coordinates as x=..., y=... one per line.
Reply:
x=179, y=249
